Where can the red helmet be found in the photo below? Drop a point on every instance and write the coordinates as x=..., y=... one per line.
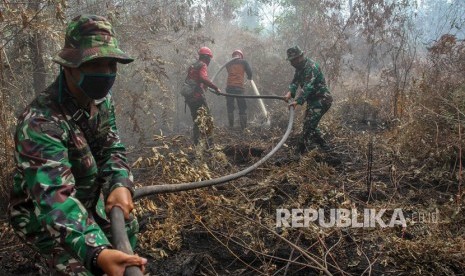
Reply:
x=206, y=51
x=237, y=52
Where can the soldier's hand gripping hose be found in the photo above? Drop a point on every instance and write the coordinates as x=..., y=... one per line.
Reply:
x=121, y=242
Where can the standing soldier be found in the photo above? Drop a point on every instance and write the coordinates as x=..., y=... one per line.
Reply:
x=197, y=79
x=71, y=168
x=237, y=68
x=309, y=77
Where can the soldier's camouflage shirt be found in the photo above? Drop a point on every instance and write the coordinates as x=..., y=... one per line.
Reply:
x=311, y=80
x=56, y=197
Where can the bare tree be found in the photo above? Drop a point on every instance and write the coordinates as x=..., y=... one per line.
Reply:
x=36, y=48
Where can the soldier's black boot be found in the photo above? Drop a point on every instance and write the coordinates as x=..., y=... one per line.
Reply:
x=301, y=147
x=321, y=142
x=307, y=147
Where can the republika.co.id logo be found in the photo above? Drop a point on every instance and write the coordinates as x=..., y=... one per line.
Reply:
x=368, y=218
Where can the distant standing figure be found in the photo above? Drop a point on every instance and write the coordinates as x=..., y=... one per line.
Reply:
x=309, y=77
x=197, y=75
x=237, y=69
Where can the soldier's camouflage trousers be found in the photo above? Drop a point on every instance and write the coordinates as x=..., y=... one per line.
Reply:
x=311, y=134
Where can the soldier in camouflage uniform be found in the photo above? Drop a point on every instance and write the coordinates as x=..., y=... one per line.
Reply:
x=309, y=77
x=71, y=165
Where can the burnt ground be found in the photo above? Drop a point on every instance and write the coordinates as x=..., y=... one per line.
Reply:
x=231, y=229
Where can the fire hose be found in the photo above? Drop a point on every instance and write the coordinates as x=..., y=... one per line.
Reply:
x=170, y=188
x=119, y=237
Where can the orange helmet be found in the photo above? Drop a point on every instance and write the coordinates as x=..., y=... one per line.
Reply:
x=206, y=51
x=237, y=52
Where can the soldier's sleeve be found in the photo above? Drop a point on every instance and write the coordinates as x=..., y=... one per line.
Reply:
x=293, y=86
x=42, y=157
x=114, y=169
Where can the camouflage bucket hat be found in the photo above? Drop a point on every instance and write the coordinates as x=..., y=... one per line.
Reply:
x=294, y=52
x=89, y=37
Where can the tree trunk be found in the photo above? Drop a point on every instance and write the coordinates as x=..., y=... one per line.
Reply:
x=2, y=79
x=36, y=46
x=38, y=64
x=351, y=7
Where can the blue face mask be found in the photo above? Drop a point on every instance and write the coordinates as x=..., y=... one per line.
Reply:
x=96, y=85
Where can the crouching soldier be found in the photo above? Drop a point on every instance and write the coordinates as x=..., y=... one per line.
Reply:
x=71, y=168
